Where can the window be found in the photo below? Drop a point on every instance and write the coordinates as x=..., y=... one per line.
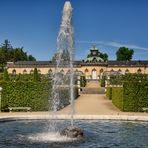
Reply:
x=14, y=72
x=139, y=70
x=86, y=70
x=39, y=71
x=126, y=71
x=101, y=70
x=50, y=71
x=24, y=71
x=31, y=71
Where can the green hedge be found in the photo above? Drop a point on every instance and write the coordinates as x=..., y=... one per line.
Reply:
x=117, y=97
x=25, y=94
x=64, y=96
x=36, y=95
x=135, y=96
x=131, y=98
x=109, y=93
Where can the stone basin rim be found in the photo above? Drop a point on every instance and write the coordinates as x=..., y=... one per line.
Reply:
x=76, y=117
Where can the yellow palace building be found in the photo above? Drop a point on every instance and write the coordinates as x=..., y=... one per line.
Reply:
x=93, y=67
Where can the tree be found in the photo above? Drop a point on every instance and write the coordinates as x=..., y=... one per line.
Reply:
x=31, y=58
x=10, y=54
x=124, y=54
x=6, y=75
x=36, y=75
x=104, y=56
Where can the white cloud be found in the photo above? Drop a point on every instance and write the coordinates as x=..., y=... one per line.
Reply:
x=113, y=44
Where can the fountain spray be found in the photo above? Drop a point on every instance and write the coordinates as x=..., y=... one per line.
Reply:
x=64, y=59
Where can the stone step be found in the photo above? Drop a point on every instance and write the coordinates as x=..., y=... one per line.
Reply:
x=93, y=91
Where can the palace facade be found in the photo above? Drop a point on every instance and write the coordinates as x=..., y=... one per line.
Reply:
x=93, y=67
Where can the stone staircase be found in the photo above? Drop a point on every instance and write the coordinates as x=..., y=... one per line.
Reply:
x=93, y=87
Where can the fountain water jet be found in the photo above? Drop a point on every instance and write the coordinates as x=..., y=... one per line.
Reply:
x=64, y=58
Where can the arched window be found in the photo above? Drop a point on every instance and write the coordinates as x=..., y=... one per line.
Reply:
x=39, y=71
x=14, y=72
x=126, y=71
x=24, y=71
x=111, y=70
x=50, y=71
x=31, y=71
x=139, y=70
x=62, y=71
x=101, y=70
x=119, y=70
x=86, y=70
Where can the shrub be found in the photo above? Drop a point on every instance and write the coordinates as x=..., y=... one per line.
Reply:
x=82, y=81
x=36, y=75
x=6, y=75
x=117, y=97
x=135, y=96
x=36, y=95
x=109, y=93
x=103, y=81
x=25, y=94
x=131, y=98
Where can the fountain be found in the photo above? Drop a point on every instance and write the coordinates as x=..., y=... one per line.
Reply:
x=64, y=58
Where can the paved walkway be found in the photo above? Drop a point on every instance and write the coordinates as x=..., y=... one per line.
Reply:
x=92, y=104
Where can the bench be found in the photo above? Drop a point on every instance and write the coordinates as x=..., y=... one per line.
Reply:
x=145, y=109
x=19, y=108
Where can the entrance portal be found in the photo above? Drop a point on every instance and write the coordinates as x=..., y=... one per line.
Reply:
x=94, y=74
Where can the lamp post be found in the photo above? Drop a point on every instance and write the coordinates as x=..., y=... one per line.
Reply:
x=0, y=98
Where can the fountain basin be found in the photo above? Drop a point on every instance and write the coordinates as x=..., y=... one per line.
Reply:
x=98, y=133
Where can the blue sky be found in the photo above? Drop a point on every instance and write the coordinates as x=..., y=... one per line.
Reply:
x=34, y=24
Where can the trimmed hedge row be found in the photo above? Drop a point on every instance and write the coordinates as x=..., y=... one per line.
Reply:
x=131, y=98
x=109, y=93
x=36, y=95
x=135, y=96
x=117, y=97
x=25, y=94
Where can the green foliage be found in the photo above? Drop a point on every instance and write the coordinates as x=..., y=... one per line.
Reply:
x=103, y=81
x=6, y=75
x=64, y=94
x=135, y=77
x=31, y=58
x=10, y=54
x=124, y=54
x=116, y=80
x=109, y=93
x=26, y=94
x=36, y=75
x=104, y=56
x=36, y=95
x=82, y=81
x=117, y=97
x=135, y=96
x=132, y=97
